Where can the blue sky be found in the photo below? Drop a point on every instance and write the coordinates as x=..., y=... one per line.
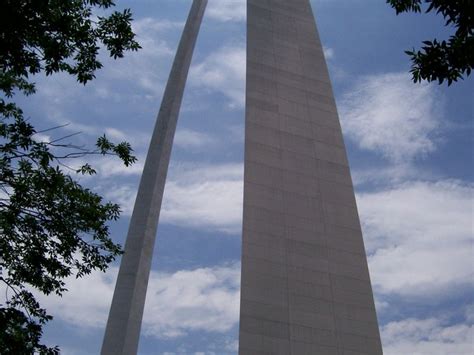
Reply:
x=411, y=154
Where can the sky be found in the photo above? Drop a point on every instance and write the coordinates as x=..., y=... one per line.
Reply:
x=410, y=149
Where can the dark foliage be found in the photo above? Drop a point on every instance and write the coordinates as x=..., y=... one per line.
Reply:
x=57, y=35
x=443, y=60
x=20, y=335
x=51, y=227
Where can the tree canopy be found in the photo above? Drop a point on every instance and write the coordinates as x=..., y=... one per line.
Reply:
x=443, y=60
x=51, y=227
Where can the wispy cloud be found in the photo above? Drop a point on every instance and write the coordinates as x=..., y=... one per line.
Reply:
x=143, y=26
x=419, y=237
x=389, y=115
x=417, y=226
x=224, y=72
x=135, y=79
x=188, y=138
x=196, y=195
x=328, y=53
x=146, y=68
x=87, y=301
x=203, y=299
x=205, y=196
x=227, y=10
x=427, y=336
x=390, y=174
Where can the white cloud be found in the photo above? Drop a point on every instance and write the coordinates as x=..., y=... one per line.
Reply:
x=119, y=86
x=390, y=115
x=328, y=53
x=123, y=195
x=196, y=195
x=227, y=10
x=203, y=299
x=390, y=174
x=72, y=351
x=106, y=167
x=87, y=302
x=146, y=68
x=232, y=345
x=143, y=70
x=223, y=71
x=138, y=76
x=187, y=138
x=419, y=237
x=205, y=196
x=115, y=134
x=427, y=336
x=469, y=313
x=143, y=26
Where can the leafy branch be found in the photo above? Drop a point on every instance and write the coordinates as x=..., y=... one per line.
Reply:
x=443, y=60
